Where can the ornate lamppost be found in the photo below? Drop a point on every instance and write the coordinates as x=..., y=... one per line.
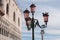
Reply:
x=30, y=22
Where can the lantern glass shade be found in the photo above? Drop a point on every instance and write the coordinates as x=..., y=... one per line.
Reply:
x=32, y=7
x=33, y=10
x=45, y=18
x=26, y=15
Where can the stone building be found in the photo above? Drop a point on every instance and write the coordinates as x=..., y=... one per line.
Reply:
x=10, y=20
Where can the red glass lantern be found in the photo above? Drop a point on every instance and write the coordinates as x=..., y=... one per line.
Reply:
x=26, y=13
x=45, y=17
x=27, y=19
x=32, y=7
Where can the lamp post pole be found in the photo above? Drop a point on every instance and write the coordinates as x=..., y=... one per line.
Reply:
x=32, y=25
x=33, y=33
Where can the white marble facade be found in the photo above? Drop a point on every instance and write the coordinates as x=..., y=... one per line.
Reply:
x=10, y=23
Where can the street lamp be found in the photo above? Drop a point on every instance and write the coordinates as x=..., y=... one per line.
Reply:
x=30, y=22
x=26, y=13
x=45, y=17
x=27, y=18
x=32, y=8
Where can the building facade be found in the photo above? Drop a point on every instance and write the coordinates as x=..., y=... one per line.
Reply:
x=10, y=20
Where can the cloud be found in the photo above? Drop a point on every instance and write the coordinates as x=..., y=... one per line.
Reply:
x=53, y=32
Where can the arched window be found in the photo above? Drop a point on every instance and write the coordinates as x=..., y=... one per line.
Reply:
x=18, y=22
x=14, y=16
x=7, y=9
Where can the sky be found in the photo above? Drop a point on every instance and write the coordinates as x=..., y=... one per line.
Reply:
x=52, y=31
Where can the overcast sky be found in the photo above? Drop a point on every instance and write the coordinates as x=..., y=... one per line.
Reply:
x=52, y=32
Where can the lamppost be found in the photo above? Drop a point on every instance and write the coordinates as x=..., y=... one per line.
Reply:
x=30, y=22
